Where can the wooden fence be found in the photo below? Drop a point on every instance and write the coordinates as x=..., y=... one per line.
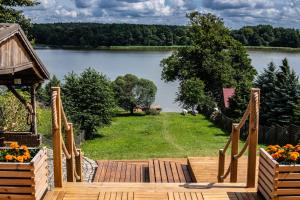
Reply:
x=275, y=134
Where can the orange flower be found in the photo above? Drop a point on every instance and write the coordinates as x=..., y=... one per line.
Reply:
x=276, y=155
x=280, y=151
x=8, y=157
x=288, y=146
x=294, y=156
x=20, y=158
x=26, y=155
x=297, y=148
x=24, y=147
x=14, y=145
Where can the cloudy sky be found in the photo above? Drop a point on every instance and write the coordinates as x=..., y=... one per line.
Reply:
x=235, y=13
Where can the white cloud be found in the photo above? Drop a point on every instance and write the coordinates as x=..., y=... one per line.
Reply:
x=235, y=13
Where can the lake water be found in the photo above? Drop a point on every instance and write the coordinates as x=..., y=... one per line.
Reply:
x=144, y=64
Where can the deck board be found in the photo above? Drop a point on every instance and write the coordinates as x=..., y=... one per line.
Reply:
x=140, y=195
x=154, y=171
x=205, y=169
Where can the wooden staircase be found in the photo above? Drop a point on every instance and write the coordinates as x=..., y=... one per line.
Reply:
x=194, y=178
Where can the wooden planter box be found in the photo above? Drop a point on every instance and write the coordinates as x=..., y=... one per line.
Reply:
x=275, y=181
x=24, y=180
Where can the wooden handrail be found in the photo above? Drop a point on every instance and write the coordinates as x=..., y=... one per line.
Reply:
x=72, y=154
x=252, y=112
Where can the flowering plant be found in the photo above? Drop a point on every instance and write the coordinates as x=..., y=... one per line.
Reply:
x=17, y=153
x=287, y=154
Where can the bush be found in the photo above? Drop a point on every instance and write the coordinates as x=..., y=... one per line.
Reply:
x=89, y=100
x=152, y=111
x=13, y=115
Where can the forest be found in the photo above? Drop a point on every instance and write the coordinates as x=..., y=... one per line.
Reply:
x=93, y=35
x=96, y=35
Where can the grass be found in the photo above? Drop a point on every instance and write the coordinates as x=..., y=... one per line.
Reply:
x=279, y=49
x=164, y=135
x=44, y=121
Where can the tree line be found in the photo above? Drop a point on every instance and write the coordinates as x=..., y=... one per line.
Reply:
x=92, y=35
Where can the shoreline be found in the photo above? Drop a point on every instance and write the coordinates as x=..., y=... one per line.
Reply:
x=159, y=48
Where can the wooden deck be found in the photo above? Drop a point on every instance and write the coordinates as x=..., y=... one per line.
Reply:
x=155, y=191
x=205, y=169
x=153, y=171
x=165, y=179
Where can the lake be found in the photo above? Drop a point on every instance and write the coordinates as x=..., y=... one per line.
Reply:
x=145, y=64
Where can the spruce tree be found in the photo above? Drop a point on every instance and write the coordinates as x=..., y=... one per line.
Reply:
x=280, y=91
x=267, y=82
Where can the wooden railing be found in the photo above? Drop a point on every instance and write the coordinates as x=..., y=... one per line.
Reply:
x=251, y=144
x=72, y=154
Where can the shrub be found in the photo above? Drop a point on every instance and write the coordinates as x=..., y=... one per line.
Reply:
x=13, y=115
x=89, y=100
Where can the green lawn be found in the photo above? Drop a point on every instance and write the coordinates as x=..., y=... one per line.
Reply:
x=165, y=135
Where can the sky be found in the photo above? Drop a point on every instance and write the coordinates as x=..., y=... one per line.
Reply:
x=235, y=13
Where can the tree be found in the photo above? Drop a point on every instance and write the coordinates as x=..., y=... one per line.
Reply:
x=145, y=92
x=44, y=93
x=214, y=57
x=89, y=100
x=238, y=103
x=280, y=91
x=9, y=13
x=267, y=82
x=191, y=93
x=131, y=92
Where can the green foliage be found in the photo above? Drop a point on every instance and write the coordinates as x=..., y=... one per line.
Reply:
x=238, y=103
x=215, y=57
x=92, y=35
x=266, y=35
x=132, y=92
x=44, y=93
x=88, y=100
x=191, y=93
x=13, y=115
x=9, y=13
x=280, y=91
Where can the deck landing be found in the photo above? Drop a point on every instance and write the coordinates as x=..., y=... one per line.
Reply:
x=165, y=179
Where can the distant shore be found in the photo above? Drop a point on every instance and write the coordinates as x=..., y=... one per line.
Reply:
x=158, y=48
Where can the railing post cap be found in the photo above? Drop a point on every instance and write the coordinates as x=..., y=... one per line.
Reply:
x=255, y=89
x=55, y=88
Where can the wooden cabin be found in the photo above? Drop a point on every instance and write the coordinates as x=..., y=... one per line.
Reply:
x=20, y=68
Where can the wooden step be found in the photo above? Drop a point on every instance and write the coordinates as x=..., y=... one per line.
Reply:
x=165, y=171
x=166, y=191
x=157, y=171
x=205, y=169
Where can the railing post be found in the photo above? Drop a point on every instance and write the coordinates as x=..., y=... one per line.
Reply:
x=234, y=151
x=253, y=136
x=57, y=139
x=70, y=162
x=221, y=166
x=78, y=160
